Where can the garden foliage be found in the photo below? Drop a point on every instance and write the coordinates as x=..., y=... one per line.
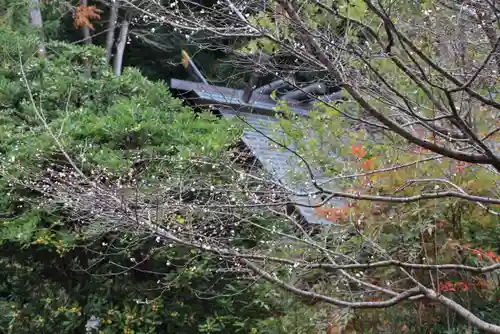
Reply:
x=54, y=276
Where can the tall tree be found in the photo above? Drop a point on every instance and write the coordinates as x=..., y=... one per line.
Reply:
x=87, y=38
x=121, y=43
x=110, y=33
x=37, y=21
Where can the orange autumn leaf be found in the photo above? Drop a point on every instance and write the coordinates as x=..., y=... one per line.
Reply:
x=481, y=284
x=490, y=255
x=357, y=151
x=482, y=255
x=447, y=286
x=333, y=215
x=368, y=163
x=463, y=286
x=84, y=14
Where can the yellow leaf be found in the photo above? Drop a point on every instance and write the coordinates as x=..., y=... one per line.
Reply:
x=180, y=220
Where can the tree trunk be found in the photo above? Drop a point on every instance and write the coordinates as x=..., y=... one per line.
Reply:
x=87, y=39
x=37, y=22
x=122, y=42
x=110, y=34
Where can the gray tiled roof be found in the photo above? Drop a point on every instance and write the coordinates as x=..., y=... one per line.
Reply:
x=260, y=103
x=258, y=114
x=281, y=164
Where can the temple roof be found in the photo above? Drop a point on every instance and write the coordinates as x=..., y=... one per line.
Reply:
x=258, y=112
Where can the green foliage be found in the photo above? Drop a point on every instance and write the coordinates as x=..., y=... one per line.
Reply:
x=353, y=9
x=14, y=14
x=447, y=230
x=104, y=115
x=53, y=278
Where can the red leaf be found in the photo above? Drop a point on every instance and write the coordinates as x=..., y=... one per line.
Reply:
x=445, y=287
x=368, y=164
x=490, y=255
x=478, y=254
x=357, y=151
